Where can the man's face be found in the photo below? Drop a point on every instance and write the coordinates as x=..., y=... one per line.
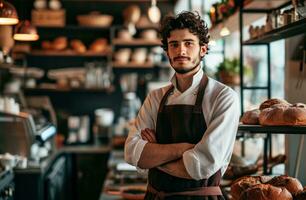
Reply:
x=184, y=51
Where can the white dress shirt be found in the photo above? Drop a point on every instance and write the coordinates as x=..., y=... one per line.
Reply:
x=221, y=112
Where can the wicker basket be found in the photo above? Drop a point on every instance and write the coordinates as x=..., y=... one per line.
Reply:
x=48, y=17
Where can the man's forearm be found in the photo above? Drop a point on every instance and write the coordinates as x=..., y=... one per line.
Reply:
x=154, y=155
x=175, y=168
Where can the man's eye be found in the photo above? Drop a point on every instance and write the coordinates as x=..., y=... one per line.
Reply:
x=173, y=45
x=188, y=43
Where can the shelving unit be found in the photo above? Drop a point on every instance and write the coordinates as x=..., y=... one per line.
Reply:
x=268, y=130
x=252, y=6
x=68, y=53
x=263, y=7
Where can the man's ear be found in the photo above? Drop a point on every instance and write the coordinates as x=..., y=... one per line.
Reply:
x=203, y=50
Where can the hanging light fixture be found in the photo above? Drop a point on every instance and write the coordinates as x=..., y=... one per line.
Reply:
x=8, y=13
x=154, y=12
x=24, y=31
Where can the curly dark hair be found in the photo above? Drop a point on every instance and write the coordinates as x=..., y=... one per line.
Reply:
x=191, y=21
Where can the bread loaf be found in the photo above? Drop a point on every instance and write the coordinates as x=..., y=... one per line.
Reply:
x=266, y=192
x=251, y=117
x=59, y=43
x=99, y=45
x=282, y=114
x=270, y=102
x=78, y=46
x=293, y=185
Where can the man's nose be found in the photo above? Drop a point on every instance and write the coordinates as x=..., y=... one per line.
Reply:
x=181, y=49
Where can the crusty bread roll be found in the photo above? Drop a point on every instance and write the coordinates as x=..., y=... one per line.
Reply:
x=251, y=117
x=270, y=102
x=266, y=192
x=293, y=185
x=244, y=183
x=295, y=114
x=99, y=45
x=78, y=46
x=60, y=43
x=283, y=115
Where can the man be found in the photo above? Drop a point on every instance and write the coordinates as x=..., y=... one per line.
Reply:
x=185, y=132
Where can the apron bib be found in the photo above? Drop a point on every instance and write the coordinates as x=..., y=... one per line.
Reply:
x=175, y=124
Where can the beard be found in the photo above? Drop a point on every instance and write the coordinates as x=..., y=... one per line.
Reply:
x=195, y=63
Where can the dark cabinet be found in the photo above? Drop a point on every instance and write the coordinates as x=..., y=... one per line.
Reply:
x=90, y=169
x=56, y=181
x=48, y=181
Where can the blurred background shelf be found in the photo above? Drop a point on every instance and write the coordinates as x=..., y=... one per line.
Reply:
x=68, y=53
x=283, y=32
x=136, y=42
x=133, y=65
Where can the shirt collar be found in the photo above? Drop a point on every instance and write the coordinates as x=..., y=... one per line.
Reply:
x=196, y=79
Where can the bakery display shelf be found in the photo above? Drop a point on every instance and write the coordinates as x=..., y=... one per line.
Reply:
x=272, y=129
x=67, y=53
x=136, y=42
x=134, y=65
x=283, y=32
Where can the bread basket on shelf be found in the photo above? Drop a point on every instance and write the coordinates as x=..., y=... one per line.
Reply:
x=95, y=19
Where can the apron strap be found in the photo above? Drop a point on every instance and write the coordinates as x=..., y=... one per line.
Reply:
x=201, y=191
x=200, y=95
x=164, y=99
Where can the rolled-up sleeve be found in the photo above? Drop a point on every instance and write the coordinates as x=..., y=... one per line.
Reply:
x=214, y=150
x=134, y=143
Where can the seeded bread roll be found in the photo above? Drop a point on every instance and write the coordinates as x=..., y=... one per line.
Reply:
x=266, y=192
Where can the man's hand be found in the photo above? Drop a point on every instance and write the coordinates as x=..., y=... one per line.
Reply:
x=148, y=135
x=175, y=168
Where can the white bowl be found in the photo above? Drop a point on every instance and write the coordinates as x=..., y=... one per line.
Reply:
x=122, y=55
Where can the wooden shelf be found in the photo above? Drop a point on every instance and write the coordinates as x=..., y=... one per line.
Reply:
x=272, y=129
x=265, y=4
x=73, y=27
x=137, y=42
x=69, y=89
x=133, y=65
x=67, y=53
x=283, y=32
x=232, y=22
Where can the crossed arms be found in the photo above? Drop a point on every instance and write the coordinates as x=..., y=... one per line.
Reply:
x=166, y=157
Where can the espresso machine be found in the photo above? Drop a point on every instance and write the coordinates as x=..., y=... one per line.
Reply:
x=21, y=135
